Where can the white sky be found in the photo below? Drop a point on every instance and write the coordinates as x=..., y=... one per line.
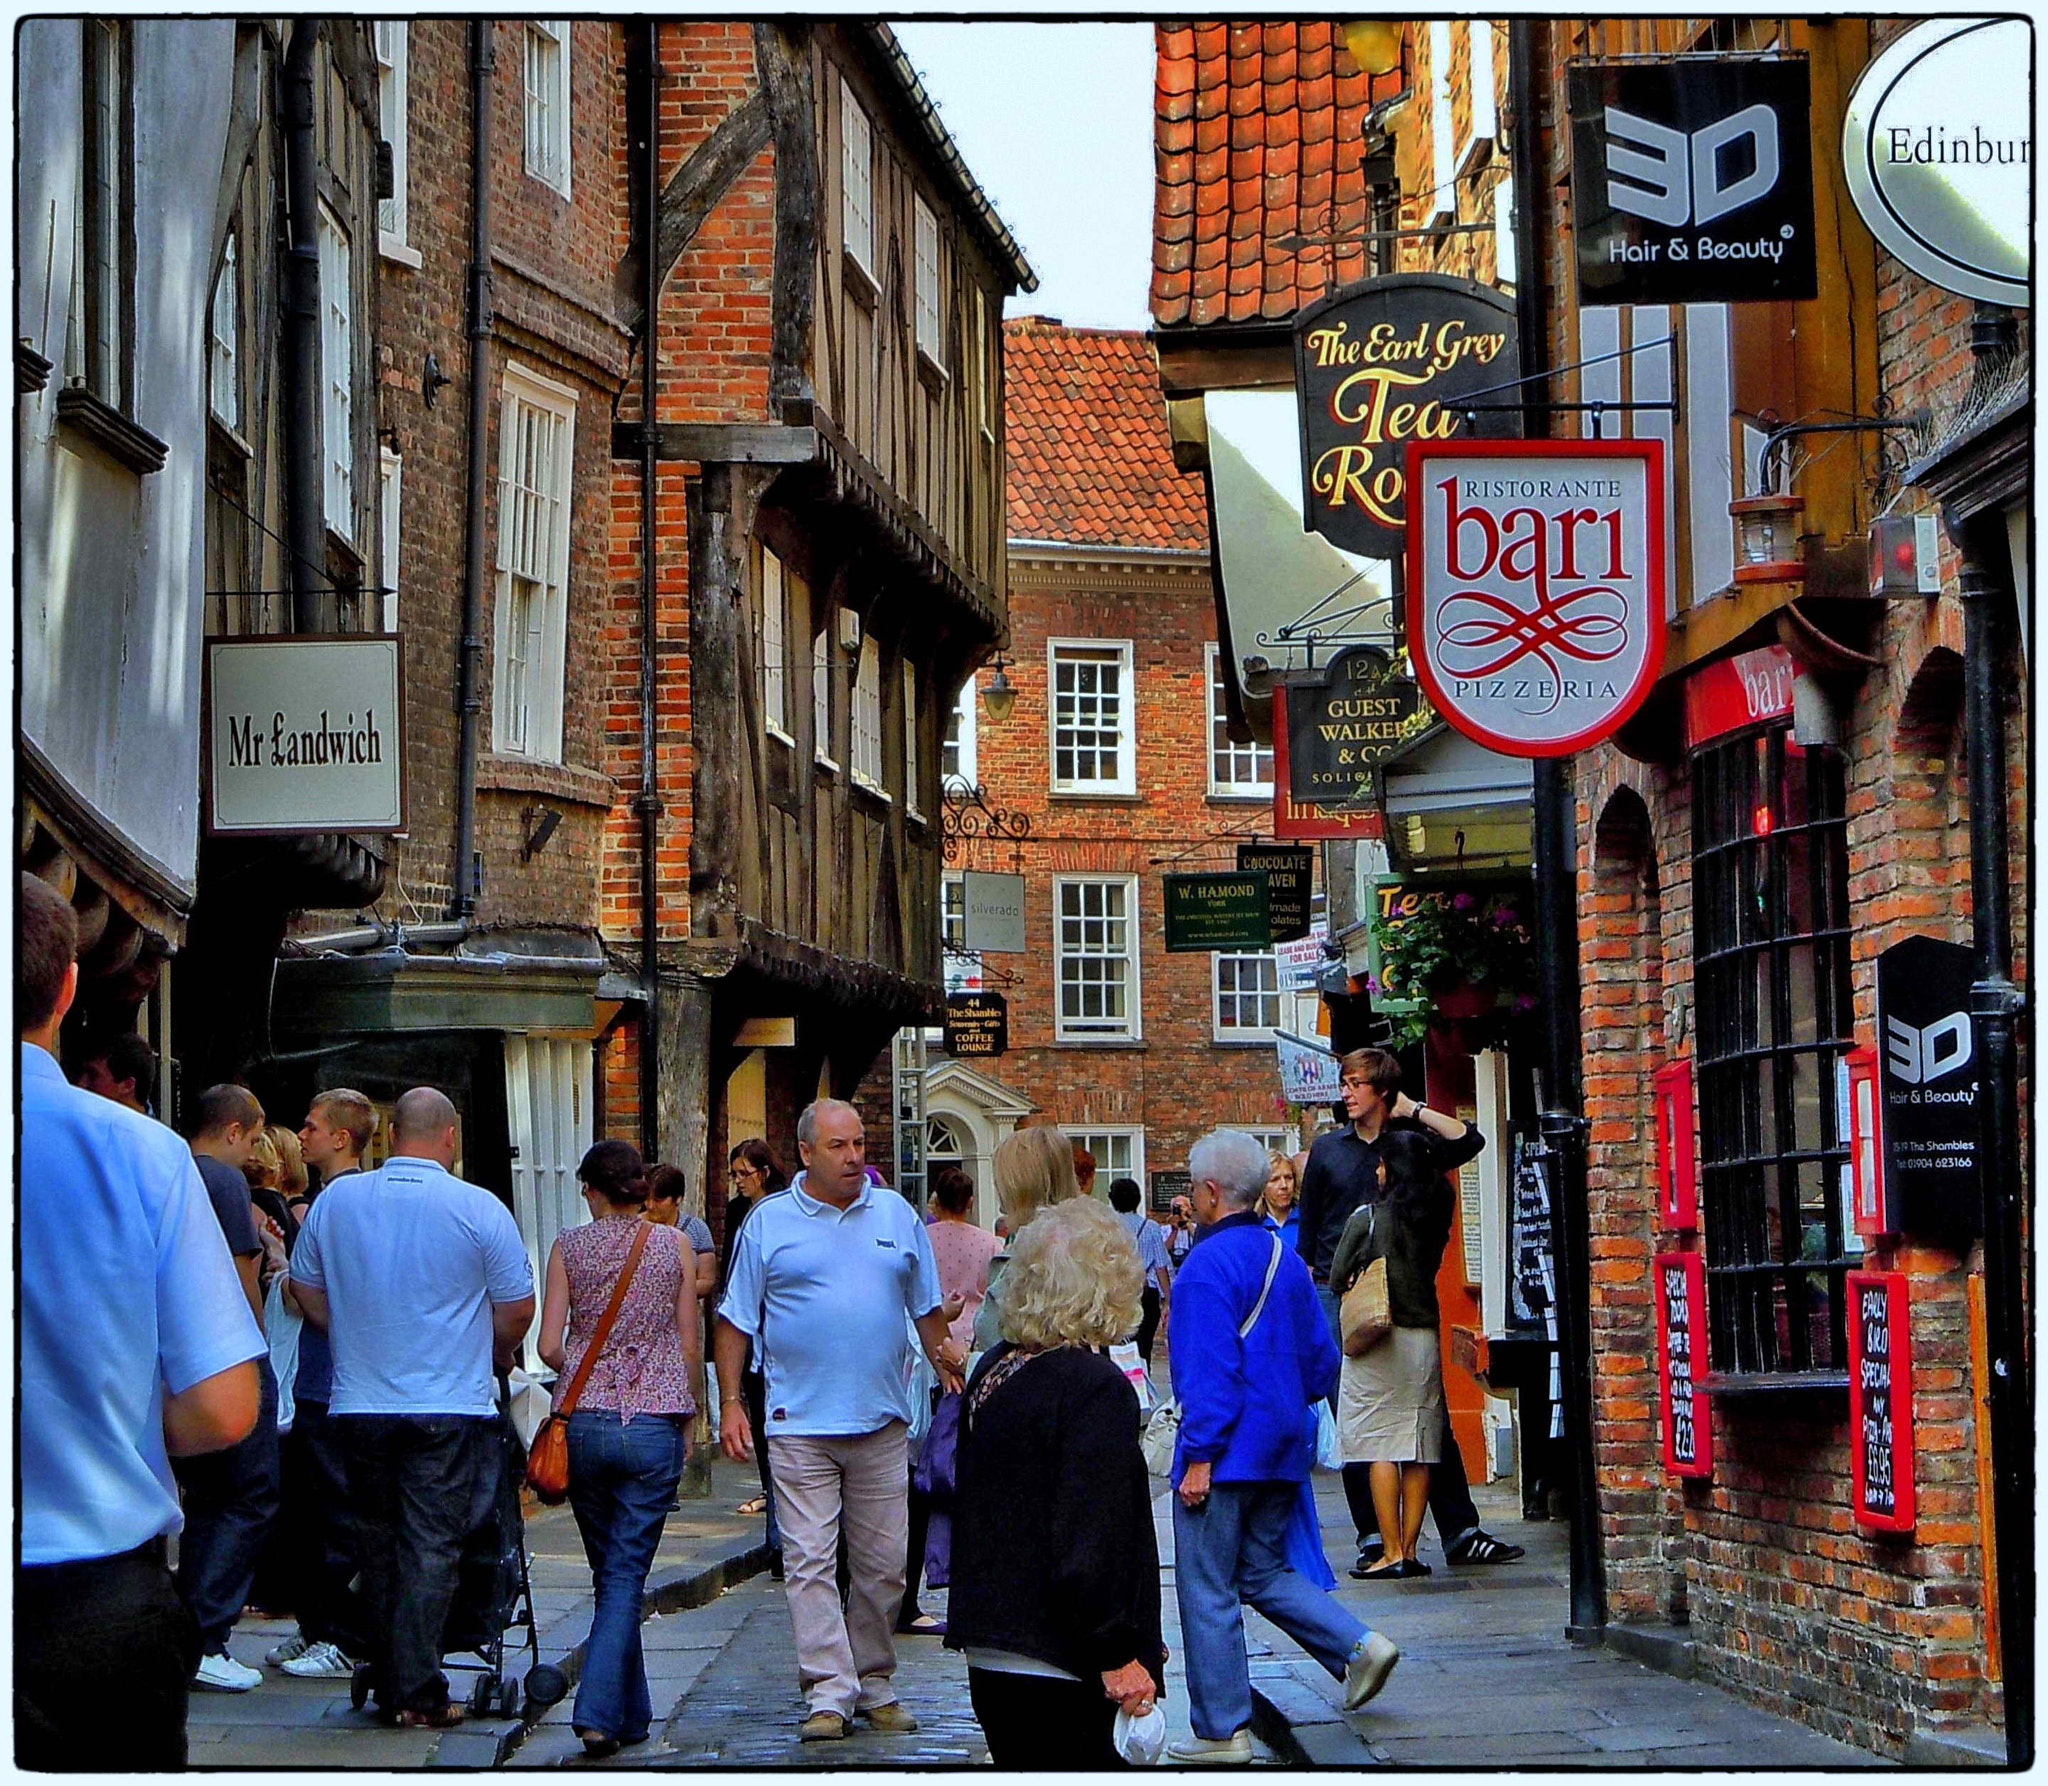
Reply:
x=1056, y=123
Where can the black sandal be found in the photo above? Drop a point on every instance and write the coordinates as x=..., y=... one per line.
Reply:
x=1382, y=1571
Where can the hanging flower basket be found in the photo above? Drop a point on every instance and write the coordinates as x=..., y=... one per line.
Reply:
x=1467, y=956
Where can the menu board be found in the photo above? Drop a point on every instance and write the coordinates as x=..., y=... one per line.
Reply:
x=1880, y=1401
x=1681, y=1361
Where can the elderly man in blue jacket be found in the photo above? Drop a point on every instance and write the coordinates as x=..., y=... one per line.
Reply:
x=1252, y=1354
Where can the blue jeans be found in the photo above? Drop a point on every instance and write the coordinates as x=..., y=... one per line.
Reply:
x=230, y=1501
x=622, y=1483
x=1232, y=1550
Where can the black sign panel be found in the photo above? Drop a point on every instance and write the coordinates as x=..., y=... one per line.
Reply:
x=1692, y=181
x=977, y=1025
x=1166, y=1186
x=1216, y=911
x=1379, y=364
x=1927, y=1087
x=1290, y=876
x=1341, y=729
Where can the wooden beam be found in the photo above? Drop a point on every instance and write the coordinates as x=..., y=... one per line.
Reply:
x=1263, y=362
x=719, y=443
x=782, y=52
x=1712, y=627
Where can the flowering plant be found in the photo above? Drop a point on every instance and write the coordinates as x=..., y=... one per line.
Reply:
x=1435, y=945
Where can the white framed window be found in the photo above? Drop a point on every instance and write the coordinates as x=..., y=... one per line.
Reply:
x=390, y=488
x=1287, y=1141
x=1244, y=996
x=102, y=296
x=1117, y=1153
x=1479, y=78
x=536, y=444
x=337, y=376
x=1095, y=946
x=392, y=47
x=1234, y=769
x=1093, y=750
x=984, y=399
x=1443, y=179
x=547, y=102
x=856, y=181
x=821, y=697
x=913, y=758
x=866, y=717
x=957, y=755
x=224, y=369
x=774, y=647
x=962, y=966
x=931, y=324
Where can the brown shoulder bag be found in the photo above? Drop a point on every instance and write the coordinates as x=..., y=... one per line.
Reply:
x=547, y=1458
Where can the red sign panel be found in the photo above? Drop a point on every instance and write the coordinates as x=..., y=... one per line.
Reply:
x=1677, y=1173
x=1297, y=818
x=1880, y=1401
x=1873, y=1214
x=1536, y=586
x=1681, y=1362
x=1732, y=692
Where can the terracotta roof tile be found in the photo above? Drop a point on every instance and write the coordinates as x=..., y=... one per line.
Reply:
x=1277, y=107
x=1089, y=459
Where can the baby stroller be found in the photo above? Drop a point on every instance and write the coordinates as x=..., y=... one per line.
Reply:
x=493, y=1598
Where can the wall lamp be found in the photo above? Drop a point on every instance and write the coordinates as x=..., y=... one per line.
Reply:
x=1000, y=697
x=1375, y=44
x=1767, y=538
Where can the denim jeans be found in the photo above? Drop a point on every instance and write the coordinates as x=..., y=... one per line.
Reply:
x=230, y=1501
x=317, y=1473
x=1232, y=1550
x=622, y=1483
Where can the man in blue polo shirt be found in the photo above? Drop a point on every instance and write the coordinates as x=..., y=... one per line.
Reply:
x=823, y=1277
x=137, y=1345
x=422, y=1283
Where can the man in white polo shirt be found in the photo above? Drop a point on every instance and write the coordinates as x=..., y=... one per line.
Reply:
x=422, y=1284
x=823, y=1277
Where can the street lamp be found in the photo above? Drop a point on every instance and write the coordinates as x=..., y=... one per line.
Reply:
x=1001, y=694
x=1375, y=44
x=1767, y=538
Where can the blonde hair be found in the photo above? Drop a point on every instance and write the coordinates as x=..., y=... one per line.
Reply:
x=1033, y=1169
x=291, y=1160
x=1276, y=1158
x=264, y=1168
x=1073, y=1279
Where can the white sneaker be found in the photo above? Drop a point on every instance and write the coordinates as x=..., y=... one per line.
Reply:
x=223, y=1674
x=293, y=1647
x=1234, y=1750
x=1367, y=1672
x=321, y=1662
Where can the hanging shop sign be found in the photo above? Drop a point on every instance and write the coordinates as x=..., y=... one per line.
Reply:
x=1300, y=963
x=1681, y=1363
x=1927, y=1105
x=1692, y=180
x=1937, y=147
x=977, y=1025
x=992, y=914
x=1290, y=883
x=1343, y=724
x=1749, y=689
x=1308, y=1070
x=1677, y=1172
x=1216, y=911
x=1383, y=363
x=1880, y=1401
x=1299, y=820
x=304, y=734
x=1536, y=587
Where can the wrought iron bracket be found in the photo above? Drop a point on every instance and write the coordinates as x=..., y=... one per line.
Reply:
x=967, y=815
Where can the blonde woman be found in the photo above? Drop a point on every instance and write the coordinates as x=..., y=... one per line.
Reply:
x=1279, y=1206
x=1055, y=1595
x=1033, y=1170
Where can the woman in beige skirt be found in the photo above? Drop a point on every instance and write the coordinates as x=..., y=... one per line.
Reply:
x=1390, y=1401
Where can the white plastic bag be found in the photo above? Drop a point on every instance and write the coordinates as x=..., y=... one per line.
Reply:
x=1329, y=1449
x=1128, y=1359
x=1140, y=1741
x=281, y=1330
x=532, y=1398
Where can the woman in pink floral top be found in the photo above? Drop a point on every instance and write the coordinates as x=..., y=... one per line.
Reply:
x=628, y=1433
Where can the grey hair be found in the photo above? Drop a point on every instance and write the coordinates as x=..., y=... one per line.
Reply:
x=807, y=1124
x=1235, y=1161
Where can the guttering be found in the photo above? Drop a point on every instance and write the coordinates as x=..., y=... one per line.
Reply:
x=647, y=803
x=305, y=523
x=469, y=699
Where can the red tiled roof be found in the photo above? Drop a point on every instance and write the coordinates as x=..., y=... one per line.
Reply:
x=1253, y=123
x=1089, y=458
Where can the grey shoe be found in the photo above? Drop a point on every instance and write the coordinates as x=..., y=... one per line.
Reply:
x=1234, y=1750
x=1367, y=1673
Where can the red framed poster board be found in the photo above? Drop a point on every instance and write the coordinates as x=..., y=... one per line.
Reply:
x=1880, y=1401
x=1678, y=1201
x=1681, y=1361
x=1873, y=1215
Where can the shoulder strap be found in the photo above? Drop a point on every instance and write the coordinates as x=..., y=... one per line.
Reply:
x=1265, y=1289
x=604, y=1325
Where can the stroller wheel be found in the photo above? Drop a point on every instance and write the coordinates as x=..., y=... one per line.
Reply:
x=546, y=1684
x=359, y=1686
x=508, y=1698
x=483, y=1696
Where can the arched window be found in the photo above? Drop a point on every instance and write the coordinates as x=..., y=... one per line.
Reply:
x=944, y=1143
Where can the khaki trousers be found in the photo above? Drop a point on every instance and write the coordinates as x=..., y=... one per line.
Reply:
x=858, y=1485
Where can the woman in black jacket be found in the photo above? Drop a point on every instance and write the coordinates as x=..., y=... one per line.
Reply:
x=1055, y=1595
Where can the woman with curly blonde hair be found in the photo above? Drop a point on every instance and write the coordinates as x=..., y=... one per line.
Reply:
x=1055, y=1566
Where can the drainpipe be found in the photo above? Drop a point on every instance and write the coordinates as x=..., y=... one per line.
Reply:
x=647, y=803
x=1555, y=839
x=469, y=700
x=305, y=523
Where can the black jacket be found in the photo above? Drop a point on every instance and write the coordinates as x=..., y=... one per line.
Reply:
x=1343, y=1173
x=1054, y=1555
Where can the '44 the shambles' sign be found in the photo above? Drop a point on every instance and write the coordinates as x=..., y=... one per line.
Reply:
x=1383, y=363
x=1536, y=587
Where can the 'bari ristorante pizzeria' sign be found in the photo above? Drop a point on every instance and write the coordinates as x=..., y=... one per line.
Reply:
x=1382, y=363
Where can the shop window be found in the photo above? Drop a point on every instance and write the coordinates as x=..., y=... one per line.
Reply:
x=547, y=102
x=1771, y=975
x=1235, y=770
x=1096, y=943
x=1091, y=718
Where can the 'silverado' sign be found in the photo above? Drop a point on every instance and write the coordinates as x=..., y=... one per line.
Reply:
x=1692, y=181
x=1938, y=148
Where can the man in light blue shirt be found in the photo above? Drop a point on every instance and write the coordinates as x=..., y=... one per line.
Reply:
x=422, y=1283
x=137, y=1345
x=1150, y=1240
x=823, y=1277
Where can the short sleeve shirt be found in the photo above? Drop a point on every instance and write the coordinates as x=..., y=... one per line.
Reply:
x=411, y=1259
x=1150, y=1240
x=117, y=1310
x=697, y=1232
x=228, y=1191
x=825, y=1291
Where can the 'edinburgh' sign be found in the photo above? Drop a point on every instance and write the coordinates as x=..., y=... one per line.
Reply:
x=304, y=734
x=1383, y=363
x=1692, y=181
x=1536, y=587
x=1342, y=727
